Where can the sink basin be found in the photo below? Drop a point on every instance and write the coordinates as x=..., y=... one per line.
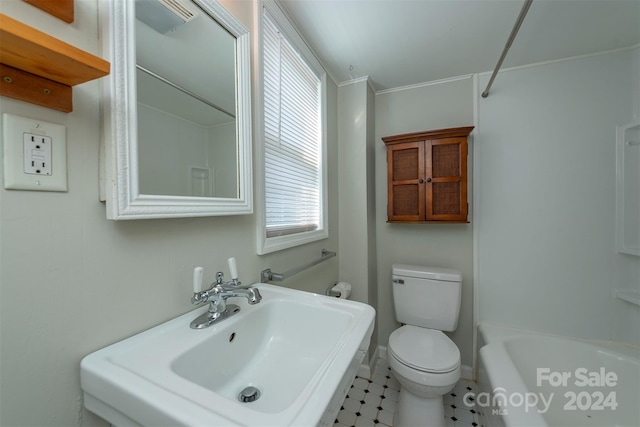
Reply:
x=300, y=350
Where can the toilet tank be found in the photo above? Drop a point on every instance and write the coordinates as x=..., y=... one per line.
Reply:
x=428, y=297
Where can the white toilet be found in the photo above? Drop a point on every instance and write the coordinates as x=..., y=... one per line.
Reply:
x=424, y=360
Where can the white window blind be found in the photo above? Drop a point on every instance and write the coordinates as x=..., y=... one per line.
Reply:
x=293, y=138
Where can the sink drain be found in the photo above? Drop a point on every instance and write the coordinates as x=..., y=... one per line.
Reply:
x=249, y=394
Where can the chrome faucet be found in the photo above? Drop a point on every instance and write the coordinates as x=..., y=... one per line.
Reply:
x=217, y=296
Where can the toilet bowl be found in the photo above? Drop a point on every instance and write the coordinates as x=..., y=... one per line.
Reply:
x=426, y=363
x=423, y=359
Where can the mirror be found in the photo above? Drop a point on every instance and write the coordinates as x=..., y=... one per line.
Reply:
x=177, y=119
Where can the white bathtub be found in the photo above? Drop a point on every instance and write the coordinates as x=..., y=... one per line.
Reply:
x=533, y=379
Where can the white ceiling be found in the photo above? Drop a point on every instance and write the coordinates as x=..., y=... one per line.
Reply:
x=404, y=42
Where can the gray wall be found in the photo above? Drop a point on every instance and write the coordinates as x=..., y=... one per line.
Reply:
x=358, y=259
x=433, y=106
x=72, y=282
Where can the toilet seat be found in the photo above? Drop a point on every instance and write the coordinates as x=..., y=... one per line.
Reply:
x=425, y=350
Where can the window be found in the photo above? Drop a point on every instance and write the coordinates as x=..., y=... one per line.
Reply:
x=291, y=138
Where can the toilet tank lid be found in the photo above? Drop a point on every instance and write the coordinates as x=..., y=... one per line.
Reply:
x=424, y=272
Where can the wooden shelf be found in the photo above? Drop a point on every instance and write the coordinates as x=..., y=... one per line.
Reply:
x=34, y=62
x=61, y=9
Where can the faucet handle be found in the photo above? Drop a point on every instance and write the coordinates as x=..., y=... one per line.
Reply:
x=198, y=272
x=233, y=268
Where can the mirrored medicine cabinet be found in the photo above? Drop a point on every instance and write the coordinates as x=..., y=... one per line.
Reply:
x=177, y=125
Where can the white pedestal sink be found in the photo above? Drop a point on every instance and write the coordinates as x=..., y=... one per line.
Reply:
x=300, y=350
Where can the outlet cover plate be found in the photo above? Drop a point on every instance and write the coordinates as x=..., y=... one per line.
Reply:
x=30, y=140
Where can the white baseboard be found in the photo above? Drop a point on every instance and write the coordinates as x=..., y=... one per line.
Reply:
x=466, y=372
x=364, y=371
x=367, y=370
x=383, y=352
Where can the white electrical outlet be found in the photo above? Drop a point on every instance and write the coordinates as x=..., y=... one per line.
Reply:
x=35, y=154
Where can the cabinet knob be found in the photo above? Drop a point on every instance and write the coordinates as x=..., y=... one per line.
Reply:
x=421, y=180
x=428, y=179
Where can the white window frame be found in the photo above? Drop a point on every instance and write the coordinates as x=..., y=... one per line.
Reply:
x=272, y=244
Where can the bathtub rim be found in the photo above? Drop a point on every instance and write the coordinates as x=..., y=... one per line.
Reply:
x=493, y=354
x=495, y=332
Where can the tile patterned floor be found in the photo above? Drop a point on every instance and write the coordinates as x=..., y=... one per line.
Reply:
x=372, y=402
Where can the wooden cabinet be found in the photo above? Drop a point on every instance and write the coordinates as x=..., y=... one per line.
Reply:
x=427, y=176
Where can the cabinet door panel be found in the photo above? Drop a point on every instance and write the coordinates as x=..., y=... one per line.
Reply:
x=406, y=164
x=405, y=172
x=445, y=160
x=446, y=198
x=446, y=186
x=405, y=202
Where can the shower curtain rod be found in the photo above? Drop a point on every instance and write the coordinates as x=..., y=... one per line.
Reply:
x=186, y=91
x=512, y=36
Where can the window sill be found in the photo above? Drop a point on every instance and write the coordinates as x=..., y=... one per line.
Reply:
x=274, y=244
